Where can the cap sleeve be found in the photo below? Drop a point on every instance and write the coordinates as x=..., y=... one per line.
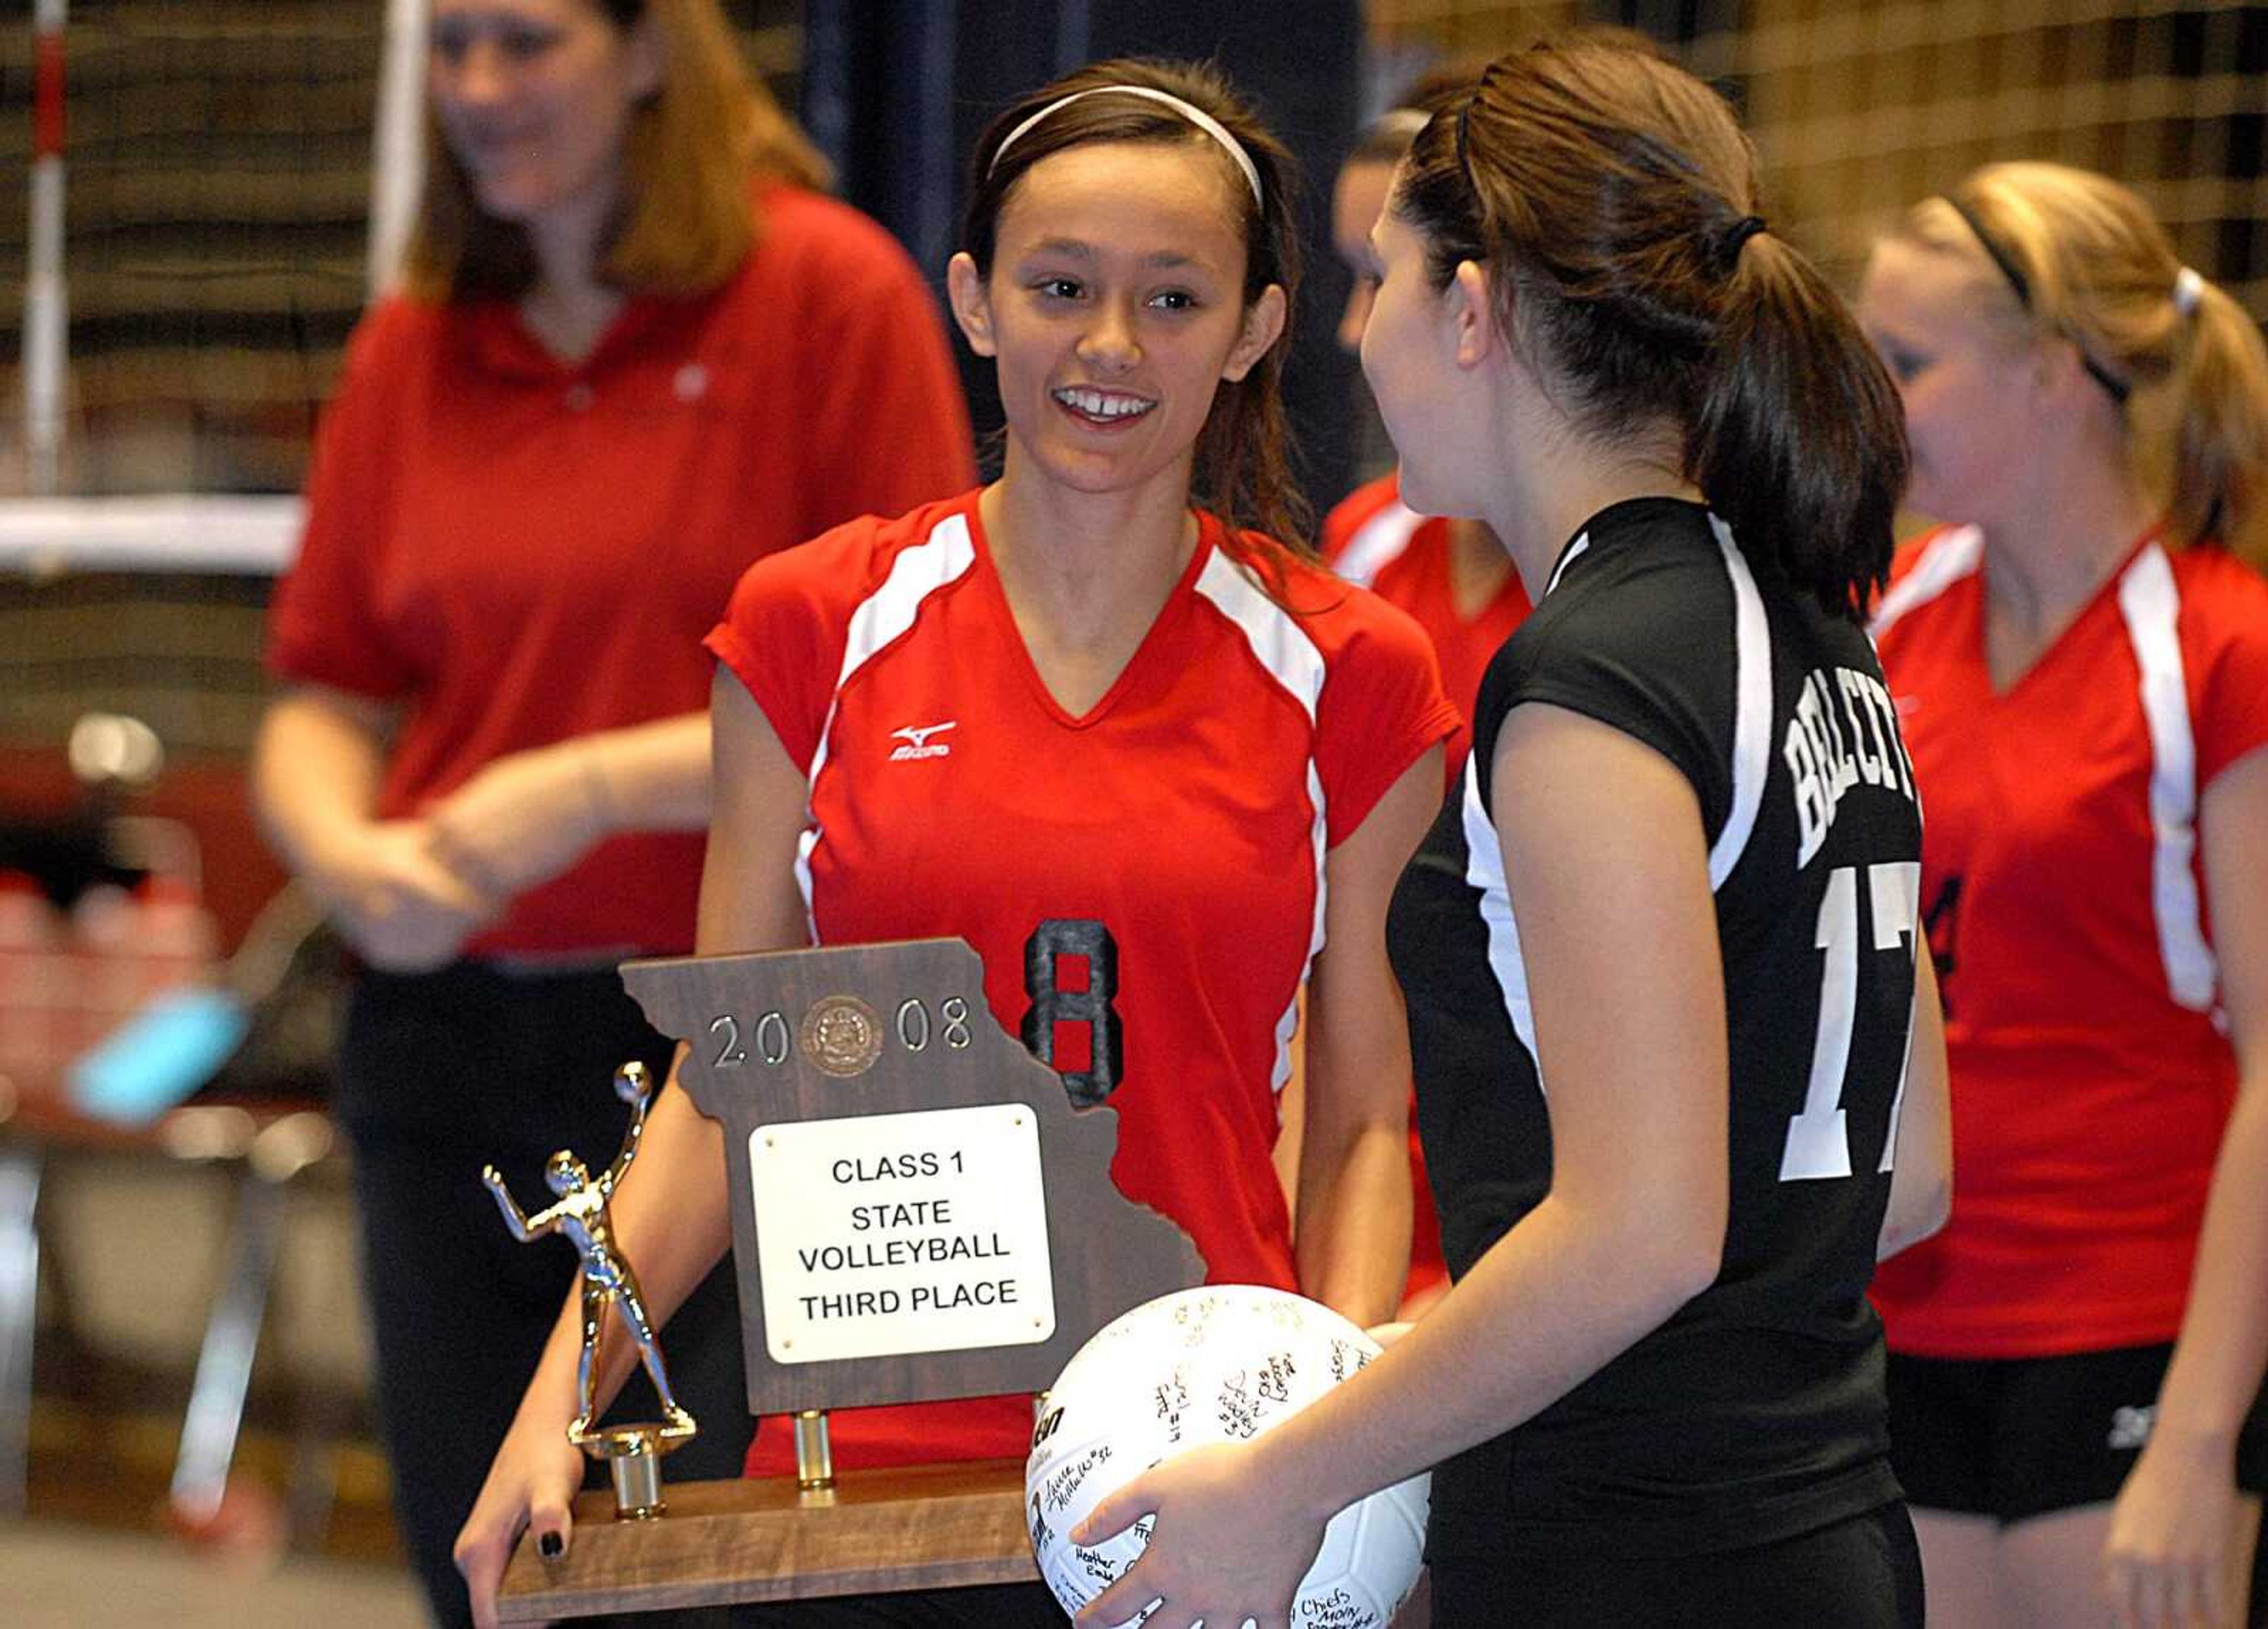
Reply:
x=785, y=629
x=1382, y=706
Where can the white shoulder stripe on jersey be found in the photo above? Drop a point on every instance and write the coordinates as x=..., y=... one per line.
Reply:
x=1378, y=542
x=1751, y=754
x=1291, y=660
x=2150, y=601
x=1574, y=552
x=1274, y=634
x=1951, y=555
x=1752, y=711
x=938, y=560
x=917, y=572
x=1484, y=872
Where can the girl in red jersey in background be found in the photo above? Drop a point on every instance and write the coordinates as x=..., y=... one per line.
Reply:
x=637, y=351
x=2082, y=669
x=1173, y=747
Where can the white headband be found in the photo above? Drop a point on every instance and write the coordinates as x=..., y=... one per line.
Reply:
x=1197, y=116
x=2189, y=288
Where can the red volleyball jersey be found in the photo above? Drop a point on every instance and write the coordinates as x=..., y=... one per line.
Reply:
x=1160, y=856
x=1373, y=538
x=2063, y=890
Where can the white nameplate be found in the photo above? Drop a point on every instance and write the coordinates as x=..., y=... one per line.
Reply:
x=891, y=1233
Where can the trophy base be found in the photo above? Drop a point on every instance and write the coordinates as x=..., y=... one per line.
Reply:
x=875, y=1532
x=633, y=1458
x=919, y=1528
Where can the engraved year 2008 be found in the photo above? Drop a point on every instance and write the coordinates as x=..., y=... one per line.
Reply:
x=917, y=1028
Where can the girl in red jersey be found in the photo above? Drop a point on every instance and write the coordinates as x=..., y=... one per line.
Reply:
x=490, y=757
x=1674, y=1036
x=1080, y=713
x=2082, y=669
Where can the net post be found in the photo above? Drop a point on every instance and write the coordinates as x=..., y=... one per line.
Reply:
x=398, y=141
x=47, y=333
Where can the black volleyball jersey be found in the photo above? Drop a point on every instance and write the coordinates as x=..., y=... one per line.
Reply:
x=1755, y=1412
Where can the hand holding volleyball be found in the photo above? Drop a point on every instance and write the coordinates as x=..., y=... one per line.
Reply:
x=1146, y=1434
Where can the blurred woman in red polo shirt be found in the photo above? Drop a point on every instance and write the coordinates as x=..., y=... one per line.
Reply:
x=636, y=352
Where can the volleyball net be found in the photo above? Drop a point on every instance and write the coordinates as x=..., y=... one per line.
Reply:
x=230, y=172
x=1857, y=110
x=223, y=183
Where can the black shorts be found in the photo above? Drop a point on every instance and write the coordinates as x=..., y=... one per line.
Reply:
x=1861, y=1573
x=2017, y=1437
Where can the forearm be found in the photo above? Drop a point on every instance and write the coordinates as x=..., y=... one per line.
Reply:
x=514, y=1218
x=2223, y=1350
x=1921, y=1179
x=1352, y=1216
x=670, y=1214
x=316, y=769
x=1560, y=1296
x=1351, y=1230
x=651, y=776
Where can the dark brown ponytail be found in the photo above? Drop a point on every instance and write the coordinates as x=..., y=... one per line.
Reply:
x=1800, y=441
x=1614, y=202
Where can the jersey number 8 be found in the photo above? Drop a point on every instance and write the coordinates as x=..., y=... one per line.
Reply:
x=1053, y=939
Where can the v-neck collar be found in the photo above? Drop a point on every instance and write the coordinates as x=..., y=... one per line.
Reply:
x=503, y=344
x=1170, y=612
x=2093, y=606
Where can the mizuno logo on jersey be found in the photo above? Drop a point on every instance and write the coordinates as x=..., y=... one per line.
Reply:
x=917, y=742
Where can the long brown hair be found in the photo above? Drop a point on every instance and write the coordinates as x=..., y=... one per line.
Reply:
x=2099, y=272
x=1243, y=458
x=1615, y=201
x=685, y=222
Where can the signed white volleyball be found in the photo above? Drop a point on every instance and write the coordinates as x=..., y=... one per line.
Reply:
x=1222, y=1363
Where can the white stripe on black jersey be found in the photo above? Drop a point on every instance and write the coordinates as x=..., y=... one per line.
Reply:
x=1755, y=1412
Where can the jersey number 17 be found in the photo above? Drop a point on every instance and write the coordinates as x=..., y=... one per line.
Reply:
x=1819, y=1138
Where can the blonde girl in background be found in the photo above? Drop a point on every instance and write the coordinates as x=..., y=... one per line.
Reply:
x=2081, y=663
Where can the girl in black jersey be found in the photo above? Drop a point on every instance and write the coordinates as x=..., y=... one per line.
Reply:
x=1680, y=1069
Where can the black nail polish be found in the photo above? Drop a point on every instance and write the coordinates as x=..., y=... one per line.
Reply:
x=550, y=1546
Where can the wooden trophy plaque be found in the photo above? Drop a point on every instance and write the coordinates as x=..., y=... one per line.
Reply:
x=918, y=1213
